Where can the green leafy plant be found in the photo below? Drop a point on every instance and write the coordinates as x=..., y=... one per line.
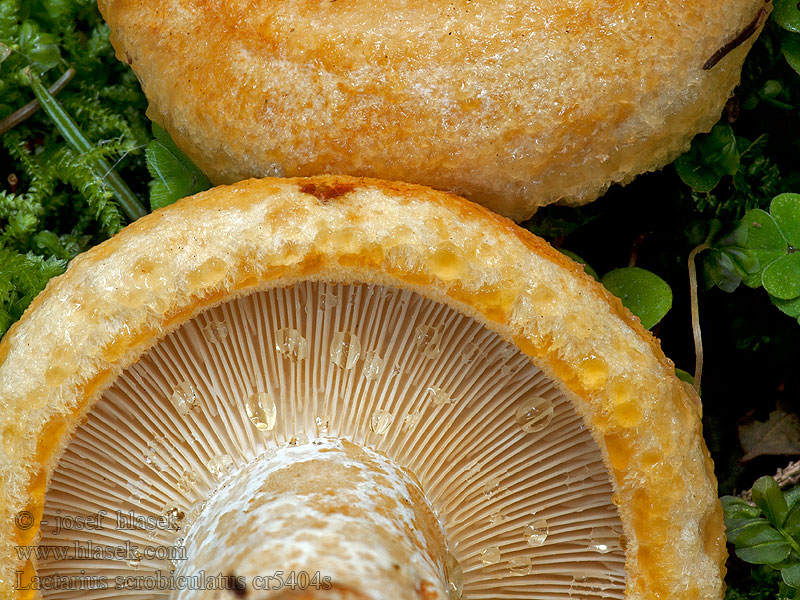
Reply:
x=174, y=175
x=752, y=177
x=22, y=276
x=767, y=532
x=787, y=15
x=709, y=159
x=103, y=173
x=774, y=241
x=644, y=293
x=763, y=250
x=728, y=261
x=72, y=133
x=763, y=583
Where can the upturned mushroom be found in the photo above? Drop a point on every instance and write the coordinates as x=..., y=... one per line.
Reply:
x=513, y=104
x=345, y=388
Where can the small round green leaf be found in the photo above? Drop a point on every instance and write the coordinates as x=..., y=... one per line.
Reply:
x=765, y=243
x=790, y=47
x=644, y=293
x=785, y=209
x=792, y=524
x=753, y=280
x=40, y=48
x=788, y=307
x=786, y=14
x=5, y=52
x=721, y=270
x=768, y=497
x=735, y=507
x=57, y=9
x=771, y=88
x=763, y=232
x=781, y=278
x=695, y=173
x=174, y=175
x=719, y=148
x=791, y=575
x=792, y=496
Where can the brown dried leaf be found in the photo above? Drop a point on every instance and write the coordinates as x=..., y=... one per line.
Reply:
x=778, y=435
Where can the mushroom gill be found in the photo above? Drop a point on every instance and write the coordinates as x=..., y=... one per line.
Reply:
x=261, y=421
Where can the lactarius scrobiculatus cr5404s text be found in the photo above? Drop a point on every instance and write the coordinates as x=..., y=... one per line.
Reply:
x=345, y=388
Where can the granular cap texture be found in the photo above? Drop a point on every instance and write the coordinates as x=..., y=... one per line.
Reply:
x=511, y=104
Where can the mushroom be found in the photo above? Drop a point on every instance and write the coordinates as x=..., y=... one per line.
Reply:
x=345, y=388
x=512, y=104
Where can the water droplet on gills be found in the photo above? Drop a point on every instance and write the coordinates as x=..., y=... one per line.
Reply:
x=455, y=577
x=534, y=413
x=215, y=332
x=536, y=532
x=492, y=488
x=323, y=422
x=158, y=453
x=325, y=301
x=510, y=369
x=328, y=300
x=411, y=419
x=490, y=556
x=187, y=481
x=519, y=566
x=298, y=439
x=585, y=477
x=497, y=518
x=506, y=353
x=261, y=411
x=268, y=454
x=134, y=559
x=194, y=511
x=473, y=469
x=184, y=398
x=428, y=340
x=586, y=586
x=345, y=349
x=139, y=489
x=604, y=539
x=381, y=419
x=373, y=365
x=438, y=396
x=220, y=465
x=470, y=353
x=291, y=344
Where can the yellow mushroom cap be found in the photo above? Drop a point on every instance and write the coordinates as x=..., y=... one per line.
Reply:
x=512, y=104
x=265, y=243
